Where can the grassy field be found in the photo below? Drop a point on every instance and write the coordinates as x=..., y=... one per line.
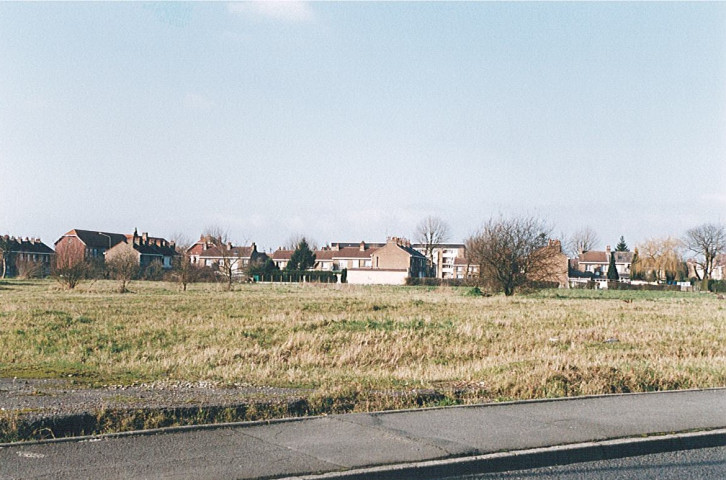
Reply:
x=355, y=342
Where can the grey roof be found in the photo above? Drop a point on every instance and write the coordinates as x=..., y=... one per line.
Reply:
x=27, y=245
x=95, y=238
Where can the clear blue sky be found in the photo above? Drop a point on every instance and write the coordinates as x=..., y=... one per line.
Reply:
x=350, y=121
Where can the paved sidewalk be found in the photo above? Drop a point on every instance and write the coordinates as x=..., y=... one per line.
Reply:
x=342, y=443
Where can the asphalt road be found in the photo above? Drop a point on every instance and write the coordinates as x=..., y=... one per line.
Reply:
x=699, y=464
x=402, y=444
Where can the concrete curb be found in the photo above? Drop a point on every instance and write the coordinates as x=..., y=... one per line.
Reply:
x=533, y=458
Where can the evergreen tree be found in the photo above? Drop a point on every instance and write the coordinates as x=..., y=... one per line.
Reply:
x=612, y=270
x=267, y=267
x=302, y=258
x=622, y=246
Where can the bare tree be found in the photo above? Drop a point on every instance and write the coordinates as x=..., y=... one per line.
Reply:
x=70, y=266
x=5, y=244
x=507, y=251
x=583, y=240
x=707, y=242
x=124, y=267
x=184, y=271
x=28, y=268
x=430, y=232
x=230, y=262
x=295, y=239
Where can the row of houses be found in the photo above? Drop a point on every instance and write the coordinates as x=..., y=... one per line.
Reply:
x=391, y=262
x=22, y=252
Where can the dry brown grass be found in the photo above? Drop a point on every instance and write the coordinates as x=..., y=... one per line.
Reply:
x=356, y=342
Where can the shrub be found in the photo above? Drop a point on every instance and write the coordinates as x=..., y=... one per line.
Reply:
x=643, y=287
x=473, y=292
x=153, y=271
x=28, y=268
x=437, y=282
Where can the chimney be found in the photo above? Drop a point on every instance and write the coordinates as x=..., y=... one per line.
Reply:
x=145, y=238
x=362, y=247
x=229, y=245
x=254, y=247
x=607, y=250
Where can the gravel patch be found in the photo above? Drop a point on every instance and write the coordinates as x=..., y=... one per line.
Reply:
x=58, y=408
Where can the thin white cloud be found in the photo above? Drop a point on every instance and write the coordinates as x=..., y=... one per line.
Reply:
x=285, y=10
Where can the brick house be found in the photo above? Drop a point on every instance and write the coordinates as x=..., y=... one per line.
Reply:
x=146, y=249
x=391, y=264
x=281, y=257
x=462, y=269
x=555, y=266
x=367, y=263
x=87, y=244
x=334, y=258
x=353, y=255
x=26, y=257
x=597, y=263
x=719, y=268
x=206, y=253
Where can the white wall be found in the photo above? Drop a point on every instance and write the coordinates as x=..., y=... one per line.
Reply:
x=377, y=277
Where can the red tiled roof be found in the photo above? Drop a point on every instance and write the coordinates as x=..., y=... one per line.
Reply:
x=593, y=257
x=354, y=252
x=324, y=254
x=281, y=254
x=216, y=252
